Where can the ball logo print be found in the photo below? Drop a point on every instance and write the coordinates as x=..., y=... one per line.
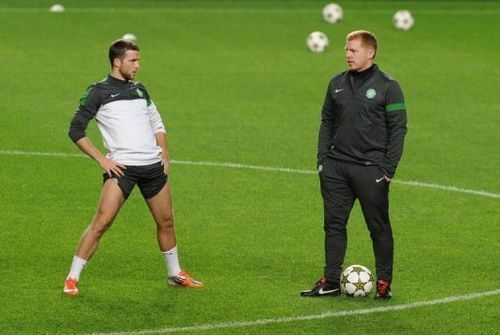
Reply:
x=356, y=281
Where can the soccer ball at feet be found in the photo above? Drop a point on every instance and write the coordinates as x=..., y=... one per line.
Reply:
x=332, y=13
x=356, y=281
x=403, y=20
x=317, y=41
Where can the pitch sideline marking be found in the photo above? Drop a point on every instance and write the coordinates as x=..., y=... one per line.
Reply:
x=265, y=168
x=262, y=322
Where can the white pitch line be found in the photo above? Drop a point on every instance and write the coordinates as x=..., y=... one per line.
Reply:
x=331, y=314
x=36, y=153
x=265, y=168
x=245, y=166
x=449, y=188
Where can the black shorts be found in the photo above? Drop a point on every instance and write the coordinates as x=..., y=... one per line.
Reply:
x=149, y=178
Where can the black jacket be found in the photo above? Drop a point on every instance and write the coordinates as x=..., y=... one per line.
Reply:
x=363, y=121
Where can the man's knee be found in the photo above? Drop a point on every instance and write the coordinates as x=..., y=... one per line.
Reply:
x=335, y=228
x=102, y=221
x=382, y=235
x=335, y=222
x=166, y=221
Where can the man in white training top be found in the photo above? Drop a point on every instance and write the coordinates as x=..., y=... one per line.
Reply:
x=136, y=141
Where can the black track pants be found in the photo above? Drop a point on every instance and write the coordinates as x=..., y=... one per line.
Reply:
x=341, y=184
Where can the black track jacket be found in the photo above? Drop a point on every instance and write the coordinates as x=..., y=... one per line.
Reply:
x=365, y=126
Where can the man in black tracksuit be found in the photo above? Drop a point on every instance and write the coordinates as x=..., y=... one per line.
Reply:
x=363, y=125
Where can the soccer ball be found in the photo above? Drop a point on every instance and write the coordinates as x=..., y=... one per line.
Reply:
x=403, y=20
x=57, y=8
x=356, y=281
x=332, y=13
x=317, y=41
x=130, y=37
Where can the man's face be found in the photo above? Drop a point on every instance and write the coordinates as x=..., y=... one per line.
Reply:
x=129, y=64
x=358, y=56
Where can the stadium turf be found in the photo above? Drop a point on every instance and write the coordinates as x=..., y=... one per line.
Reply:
x=234, y=82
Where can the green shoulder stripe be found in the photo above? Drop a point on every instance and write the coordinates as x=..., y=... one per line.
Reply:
x=395, y=107
x=149, y=101
x=83, y=99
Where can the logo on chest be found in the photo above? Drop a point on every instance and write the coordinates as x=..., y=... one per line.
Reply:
x=371, y=93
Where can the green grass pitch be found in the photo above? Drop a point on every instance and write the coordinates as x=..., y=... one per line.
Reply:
x=234, y=82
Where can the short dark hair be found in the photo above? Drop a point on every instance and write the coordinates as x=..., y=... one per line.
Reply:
x=367, y=38
x=118, y=48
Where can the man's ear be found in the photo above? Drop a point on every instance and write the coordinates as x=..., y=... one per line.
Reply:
x=371, y=53
x=117, y=62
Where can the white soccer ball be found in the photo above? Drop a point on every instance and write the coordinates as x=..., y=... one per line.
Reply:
x=130, y=37
x=317, y=41
x=356, y=281
x=332, y=13
x=57, y=8
x=403, y=20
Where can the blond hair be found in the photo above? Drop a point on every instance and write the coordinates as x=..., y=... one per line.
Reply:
x=367, y=38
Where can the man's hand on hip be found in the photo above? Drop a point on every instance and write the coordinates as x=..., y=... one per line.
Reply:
x=112, y=167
